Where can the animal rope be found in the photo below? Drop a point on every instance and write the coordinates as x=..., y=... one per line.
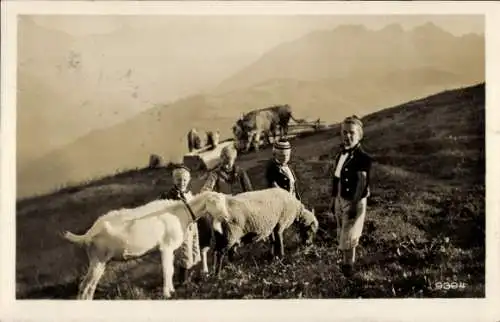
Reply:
x=189, y=209
x=158, y=212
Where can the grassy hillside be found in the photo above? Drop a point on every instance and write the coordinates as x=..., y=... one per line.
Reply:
x=425, y=222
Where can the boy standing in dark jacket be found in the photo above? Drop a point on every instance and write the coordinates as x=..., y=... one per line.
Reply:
x=350, y=190
x=279, y=173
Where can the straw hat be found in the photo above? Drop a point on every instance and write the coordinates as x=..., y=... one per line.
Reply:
x=282, y=145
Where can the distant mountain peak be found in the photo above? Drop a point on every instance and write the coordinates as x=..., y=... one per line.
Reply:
x=393, y=28
x=352, y=28
x=430, y=28
x=472, y=35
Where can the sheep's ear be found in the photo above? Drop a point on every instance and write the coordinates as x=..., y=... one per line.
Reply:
x=209, y=199
x=212, y=199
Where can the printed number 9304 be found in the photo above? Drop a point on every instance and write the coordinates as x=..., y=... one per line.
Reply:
x=450, y=285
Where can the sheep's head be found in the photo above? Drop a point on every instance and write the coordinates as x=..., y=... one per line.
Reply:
x=215, y=205
x=308, y=226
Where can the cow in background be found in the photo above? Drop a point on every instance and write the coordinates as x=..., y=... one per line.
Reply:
x=267, y=121
x=154, y=161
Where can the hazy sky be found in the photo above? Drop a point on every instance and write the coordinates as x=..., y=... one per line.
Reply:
x=251, y=33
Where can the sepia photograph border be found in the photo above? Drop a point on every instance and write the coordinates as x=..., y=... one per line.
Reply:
x=486, y=309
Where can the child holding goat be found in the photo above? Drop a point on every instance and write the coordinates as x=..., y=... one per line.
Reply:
x=190, y=248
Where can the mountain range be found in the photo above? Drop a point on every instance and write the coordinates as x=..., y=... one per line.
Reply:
x=327, y=74
x=354, y=50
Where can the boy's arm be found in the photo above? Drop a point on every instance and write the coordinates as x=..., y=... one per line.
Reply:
x=245, y=181
x=210, y=182
x=362, y=174
x=271, y=183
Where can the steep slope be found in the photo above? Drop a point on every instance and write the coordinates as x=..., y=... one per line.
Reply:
x=354, y=50
x=425, y=221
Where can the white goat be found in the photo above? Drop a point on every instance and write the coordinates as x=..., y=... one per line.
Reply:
x=255, y=215
x=127, y=233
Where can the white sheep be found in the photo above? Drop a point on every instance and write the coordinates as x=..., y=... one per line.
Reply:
x=129, y=233
x=255, y=215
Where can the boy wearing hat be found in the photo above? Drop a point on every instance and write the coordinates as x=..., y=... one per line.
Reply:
x=190, y=248
x=278, y=172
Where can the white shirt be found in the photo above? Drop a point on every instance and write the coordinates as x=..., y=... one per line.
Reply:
x=340, y=164
x=188, y=195
x=290, y=176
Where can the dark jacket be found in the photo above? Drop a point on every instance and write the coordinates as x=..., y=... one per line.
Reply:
x=172, y=194
x=228, y=182
x=357, y=160
x=274, y=174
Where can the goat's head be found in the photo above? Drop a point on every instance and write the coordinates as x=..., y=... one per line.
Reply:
x=308, y=226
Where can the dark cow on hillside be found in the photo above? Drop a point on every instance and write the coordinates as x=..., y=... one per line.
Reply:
x=194, y=140
x=266, y=121
x=154, y=161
